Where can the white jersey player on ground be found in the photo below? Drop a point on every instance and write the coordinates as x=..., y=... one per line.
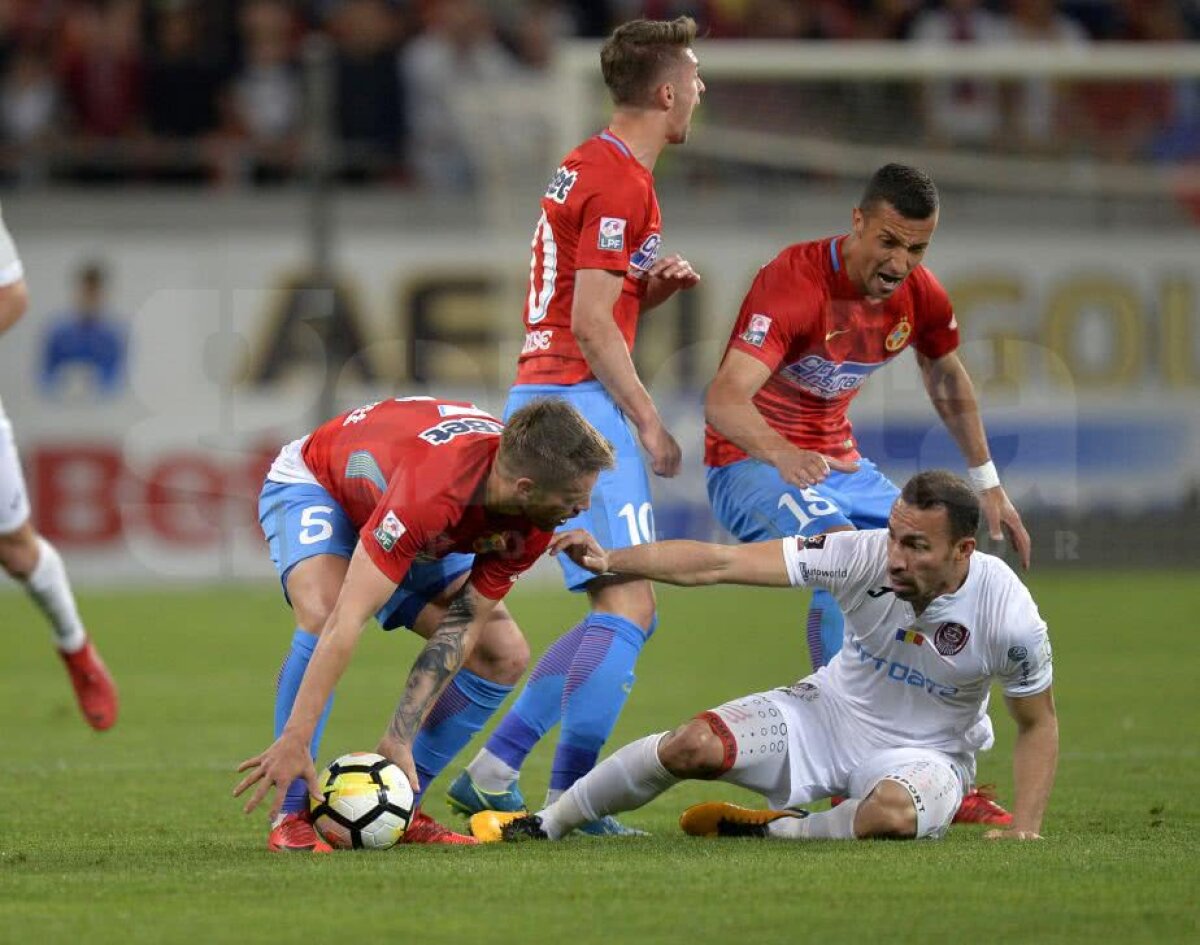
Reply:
x=893, y=722
x=25, y=555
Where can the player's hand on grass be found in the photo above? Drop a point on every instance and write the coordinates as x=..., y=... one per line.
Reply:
x=281, y=764
x=665, y=454
x=1003, y=518
x=676, y=271
x=1012, y=834
x=804, y=468
x=581, y=548
x=400, y=754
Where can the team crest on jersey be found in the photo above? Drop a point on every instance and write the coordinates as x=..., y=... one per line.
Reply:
x=950, y=638
x=561, y=184
x=756, y=332
x=390, y=530
x=447, y=430
x=1017, y=653
x=612, y=234
x=898, y=337
x=641, y=261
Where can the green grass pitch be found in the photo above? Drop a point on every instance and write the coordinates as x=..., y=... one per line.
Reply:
x=132, y=836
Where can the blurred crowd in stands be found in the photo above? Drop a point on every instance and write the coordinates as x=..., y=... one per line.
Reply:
x=214, y=91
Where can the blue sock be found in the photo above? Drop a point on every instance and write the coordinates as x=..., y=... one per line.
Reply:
x=291, y=674
x=539, y=706
x=825, y=628
x=461, y=711
x=600, y=680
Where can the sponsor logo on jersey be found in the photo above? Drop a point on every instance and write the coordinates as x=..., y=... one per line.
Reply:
x=612, y=234
x=898, y=337
x=826, y=378
x=756, y=332
x=810, y=574
x=950, y=638
x=903, y=673
x=910, y=636
x=1017, y=653
x=389, y=531
x=561, y=184
x=641, y=261
x=447, y=430
x=537, y=340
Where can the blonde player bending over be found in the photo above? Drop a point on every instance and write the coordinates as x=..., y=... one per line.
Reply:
x=893, y=722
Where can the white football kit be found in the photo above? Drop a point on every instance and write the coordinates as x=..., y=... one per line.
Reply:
x=905, y=699
x=14, y=501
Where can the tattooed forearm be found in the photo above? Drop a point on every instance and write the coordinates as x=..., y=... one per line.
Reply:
x=442, y=657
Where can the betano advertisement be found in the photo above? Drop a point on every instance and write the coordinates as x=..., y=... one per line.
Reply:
x=1086, y=352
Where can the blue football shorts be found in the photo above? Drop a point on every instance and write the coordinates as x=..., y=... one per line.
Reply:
x=621, y=513
x=302, y=519
x=750, y=500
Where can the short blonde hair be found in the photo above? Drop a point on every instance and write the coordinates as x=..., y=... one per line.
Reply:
x=550, y=442
x=638, y=53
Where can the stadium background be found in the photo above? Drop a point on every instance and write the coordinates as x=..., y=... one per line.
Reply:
x=302, y=207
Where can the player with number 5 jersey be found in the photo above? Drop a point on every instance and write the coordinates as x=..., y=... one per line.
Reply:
x=596, y=269
x=422, y=513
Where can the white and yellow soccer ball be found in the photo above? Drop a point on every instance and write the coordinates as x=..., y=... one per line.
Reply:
x=366, y=803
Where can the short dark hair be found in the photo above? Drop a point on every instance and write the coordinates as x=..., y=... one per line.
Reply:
x=939, y=488
x=634, y=58
x=909, y=190
x=549, y=441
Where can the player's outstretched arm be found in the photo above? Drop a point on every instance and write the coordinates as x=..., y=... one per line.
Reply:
x=1035, y=758
x=363, y=592
x=600, y=340
x=443, y=656
x=953, y=396
x=685, y=563
x=729, y=407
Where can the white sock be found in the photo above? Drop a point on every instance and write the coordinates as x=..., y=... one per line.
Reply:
x=834, y=824
x=50, y=589
x=625, y=780
x=491, y=774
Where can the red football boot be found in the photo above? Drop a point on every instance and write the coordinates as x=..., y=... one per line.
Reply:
x=94, y=688
x=424, y=829
x=979, y=807
x=294, y=833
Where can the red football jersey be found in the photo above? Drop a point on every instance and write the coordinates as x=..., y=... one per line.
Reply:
x=599, y=212
x=410, y=474
x=822, y=339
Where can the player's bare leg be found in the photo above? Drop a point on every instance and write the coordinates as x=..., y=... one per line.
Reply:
x=32, y=561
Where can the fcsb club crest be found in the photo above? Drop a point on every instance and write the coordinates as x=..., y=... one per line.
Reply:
x=950, y=638
x=898, y=337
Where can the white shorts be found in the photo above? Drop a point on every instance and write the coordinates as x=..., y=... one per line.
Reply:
x=796, y=745
x=14, y=500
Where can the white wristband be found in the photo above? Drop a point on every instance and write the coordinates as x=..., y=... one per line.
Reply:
x=983, y=477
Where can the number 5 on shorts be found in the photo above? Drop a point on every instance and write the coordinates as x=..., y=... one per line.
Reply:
x=315, y=529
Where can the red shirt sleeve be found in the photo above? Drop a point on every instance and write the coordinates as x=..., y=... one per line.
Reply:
x=493, y=573
x=937, y=328
x=400, y=528
x=782, y=306
x=610, y=218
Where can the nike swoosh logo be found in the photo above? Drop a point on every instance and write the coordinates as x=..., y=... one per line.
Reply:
x=835, y=333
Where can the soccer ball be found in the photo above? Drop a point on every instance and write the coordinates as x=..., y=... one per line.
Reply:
x=366, y=803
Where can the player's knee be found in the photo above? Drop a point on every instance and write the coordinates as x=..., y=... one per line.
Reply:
x=19, y=552
x=502, y=654
x=633, y=600
x=887, y=812
x=692, y=751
